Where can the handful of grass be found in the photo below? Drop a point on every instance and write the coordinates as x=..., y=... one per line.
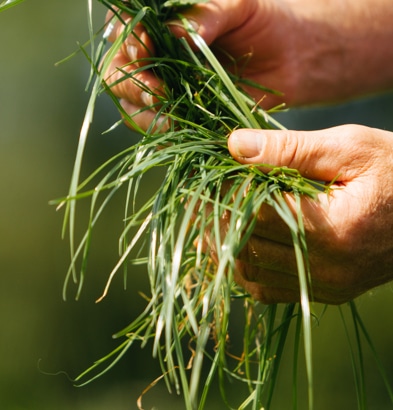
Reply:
x=191, y=296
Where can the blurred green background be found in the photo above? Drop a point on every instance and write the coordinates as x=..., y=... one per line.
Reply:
x=41, y=111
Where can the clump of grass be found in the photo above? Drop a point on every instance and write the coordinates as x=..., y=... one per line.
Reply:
x=191, y=297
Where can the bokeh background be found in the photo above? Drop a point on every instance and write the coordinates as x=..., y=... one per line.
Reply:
x=43, y=338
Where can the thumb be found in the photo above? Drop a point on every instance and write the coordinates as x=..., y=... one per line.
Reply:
x=324, y=155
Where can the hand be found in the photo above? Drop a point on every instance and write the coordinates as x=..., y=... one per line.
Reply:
x=311, y=51
x=349, y=232
x=227, y=25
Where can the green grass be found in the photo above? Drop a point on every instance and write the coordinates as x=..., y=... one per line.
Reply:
x=5, y=4
x=191, y=297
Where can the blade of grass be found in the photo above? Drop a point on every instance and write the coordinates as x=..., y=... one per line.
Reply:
x=356, y=317
x=357, y=365
x=6, y=4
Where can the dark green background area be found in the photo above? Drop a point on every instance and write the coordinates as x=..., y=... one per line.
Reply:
x=41, y=111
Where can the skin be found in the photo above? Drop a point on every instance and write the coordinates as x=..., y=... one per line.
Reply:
x=314, y=52
x=349, y=232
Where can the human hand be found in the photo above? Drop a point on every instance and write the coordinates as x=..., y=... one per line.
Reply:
x=349, y=231
x=312, y=52
x=225, y=25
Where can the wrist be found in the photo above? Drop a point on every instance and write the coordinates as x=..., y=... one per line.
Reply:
x=341, y=52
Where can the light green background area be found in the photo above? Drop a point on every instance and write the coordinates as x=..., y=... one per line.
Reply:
x=41, y=111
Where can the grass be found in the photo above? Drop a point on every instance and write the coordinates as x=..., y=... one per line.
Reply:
x=5, y=4
x=190, y=305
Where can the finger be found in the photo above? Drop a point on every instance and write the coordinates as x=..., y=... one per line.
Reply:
x=118, y=21
x=321, y=155
x=263, y=254
x=211, y=20
x=140, y=87
x=318, y=225
x=270, y=225
x=271, y=286
x=146, y=119
x=138, y=46
x=273, y=265
x=215, y=18
x=269, y=295
x=138, y=35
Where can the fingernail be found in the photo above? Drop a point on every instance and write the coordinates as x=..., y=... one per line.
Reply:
x=178, y=23
x=162, y=123
x=132, y=52
x=246, y=144
x=146, y=98
x=194, y=24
